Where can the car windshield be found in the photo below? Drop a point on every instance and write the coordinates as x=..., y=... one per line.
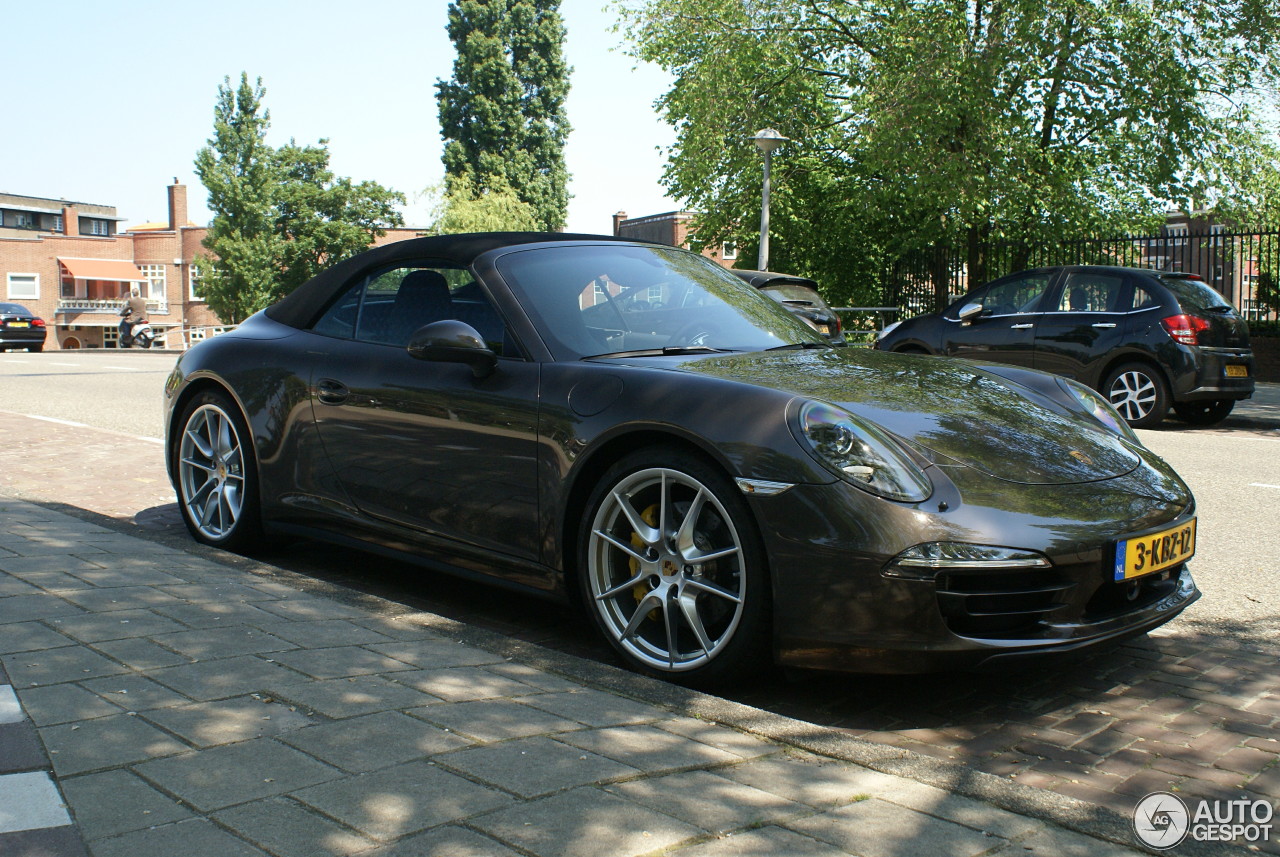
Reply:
x=617, y=299
x=1194, y=295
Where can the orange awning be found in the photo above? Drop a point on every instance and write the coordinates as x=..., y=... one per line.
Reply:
x=103, y=269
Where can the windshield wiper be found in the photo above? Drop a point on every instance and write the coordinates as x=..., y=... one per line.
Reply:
x=793, y=346
x=664, y=352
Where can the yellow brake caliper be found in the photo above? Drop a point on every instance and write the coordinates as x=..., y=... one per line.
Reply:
x=650, y=517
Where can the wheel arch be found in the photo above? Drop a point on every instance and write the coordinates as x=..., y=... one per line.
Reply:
x=203, y=384
x=1121, y=358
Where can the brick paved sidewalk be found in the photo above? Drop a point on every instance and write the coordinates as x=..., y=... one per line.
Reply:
x=192, y=707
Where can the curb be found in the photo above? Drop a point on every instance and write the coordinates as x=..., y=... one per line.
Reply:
x=34, y=821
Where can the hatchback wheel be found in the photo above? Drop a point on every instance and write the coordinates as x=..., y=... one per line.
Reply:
x=217, y=474
x=1205, y=413
x=1139, y=393
x=673, y=571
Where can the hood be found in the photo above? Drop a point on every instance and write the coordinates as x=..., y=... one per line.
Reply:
x=957, y=411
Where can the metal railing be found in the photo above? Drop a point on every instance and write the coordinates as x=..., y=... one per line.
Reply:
x=106, y=306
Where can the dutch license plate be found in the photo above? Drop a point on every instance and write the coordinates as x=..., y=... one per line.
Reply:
x=1237, y=371
x=1154, y=552
x=19, y=324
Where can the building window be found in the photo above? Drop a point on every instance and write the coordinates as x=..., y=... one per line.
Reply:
x=1178, y=234
x=729, y=250
x=23, y=287
x=23, y=220
x=97, y=227
x=193, y=283
x=156, y=281
x=57, y=223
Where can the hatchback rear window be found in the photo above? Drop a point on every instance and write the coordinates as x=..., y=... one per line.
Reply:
x=1194, y=295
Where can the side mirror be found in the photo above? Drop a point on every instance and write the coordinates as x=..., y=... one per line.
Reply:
x=969, y=312
x=452, y=341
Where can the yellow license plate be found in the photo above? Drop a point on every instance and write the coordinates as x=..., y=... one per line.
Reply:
x=1154, y=552
x=1237, y=371
x=19, y=324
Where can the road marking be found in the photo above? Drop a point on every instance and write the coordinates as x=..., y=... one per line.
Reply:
x=1263, y=485
x=58, y=421
x=122, y=368
x=56, y=363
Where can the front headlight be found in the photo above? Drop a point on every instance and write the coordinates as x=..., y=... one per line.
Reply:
x=1099, y=408
x=861, y=453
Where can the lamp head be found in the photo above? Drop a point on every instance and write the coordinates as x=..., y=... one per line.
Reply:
x=768, y=140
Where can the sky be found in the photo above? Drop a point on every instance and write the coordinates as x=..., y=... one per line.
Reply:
x=107, y=103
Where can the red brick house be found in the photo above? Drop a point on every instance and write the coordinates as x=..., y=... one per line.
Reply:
x=68, y=263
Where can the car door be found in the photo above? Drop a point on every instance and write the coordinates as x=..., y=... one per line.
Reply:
x=427, y=444
x=1085, y=324
x=1005, y=330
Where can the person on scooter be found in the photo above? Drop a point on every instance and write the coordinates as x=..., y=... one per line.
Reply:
x=133, y=313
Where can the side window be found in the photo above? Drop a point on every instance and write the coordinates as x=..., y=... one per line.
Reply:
x=1142, y=299
x=1021, y=294
x=1086, y=292
x=388, y=306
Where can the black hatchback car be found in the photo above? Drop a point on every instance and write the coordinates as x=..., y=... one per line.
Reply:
x=21, y=328
x=1144, y=339
x=799, y=295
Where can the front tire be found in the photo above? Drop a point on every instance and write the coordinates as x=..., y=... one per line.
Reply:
x=1139, y=393
x=217, y=474
x=673, y=570
x=1204, y=413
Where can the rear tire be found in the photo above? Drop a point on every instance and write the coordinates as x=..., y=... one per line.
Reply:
x=673, y=571
x=1204, y=413
x=1139, y=393
x=217, y=474
x=35, y=348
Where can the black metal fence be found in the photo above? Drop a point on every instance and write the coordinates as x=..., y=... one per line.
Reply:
x=1244, y=266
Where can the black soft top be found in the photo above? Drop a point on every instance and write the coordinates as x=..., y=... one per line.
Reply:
x=301, y=307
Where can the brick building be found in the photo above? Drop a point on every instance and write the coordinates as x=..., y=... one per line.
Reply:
x=674, y=228
x=68, y=263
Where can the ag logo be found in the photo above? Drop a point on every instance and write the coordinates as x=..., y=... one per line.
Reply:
x=1161, y=820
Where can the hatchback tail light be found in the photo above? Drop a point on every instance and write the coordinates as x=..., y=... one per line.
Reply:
x=1185, y=328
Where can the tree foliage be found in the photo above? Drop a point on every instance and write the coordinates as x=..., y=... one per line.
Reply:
x=462, y=207
x=940, y=123
x=280, y=216
x=503, y=114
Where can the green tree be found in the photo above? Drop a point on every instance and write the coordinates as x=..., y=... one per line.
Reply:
x=934, y=123
x=502, y=115
x=280, y=215
x=461, y=207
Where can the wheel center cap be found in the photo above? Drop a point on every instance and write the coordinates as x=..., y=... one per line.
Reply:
x=670, y=568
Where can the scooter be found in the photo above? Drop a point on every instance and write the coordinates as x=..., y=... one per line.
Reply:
x=140, y=334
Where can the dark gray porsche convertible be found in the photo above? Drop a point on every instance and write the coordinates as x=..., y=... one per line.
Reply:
x=631, y=425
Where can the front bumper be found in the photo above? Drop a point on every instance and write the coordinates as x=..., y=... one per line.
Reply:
x=835, y=609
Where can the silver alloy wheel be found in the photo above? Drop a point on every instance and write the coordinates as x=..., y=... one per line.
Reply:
x=1133, y=394
x=211, y=471
x=665, y=569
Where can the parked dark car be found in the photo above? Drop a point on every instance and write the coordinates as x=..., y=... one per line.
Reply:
x=712, y=480
x=799, y=295
x=21, y=328
x=1145, y=339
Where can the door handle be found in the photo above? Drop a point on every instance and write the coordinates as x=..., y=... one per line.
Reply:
x=1105, y=325
x=331, y=392
x=1021, y=326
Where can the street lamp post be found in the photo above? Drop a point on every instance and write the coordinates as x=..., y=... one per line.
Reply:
x=767, y=141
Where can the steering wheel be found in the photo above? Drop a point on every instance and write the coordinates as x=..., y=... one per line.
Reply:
x=694, y=333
